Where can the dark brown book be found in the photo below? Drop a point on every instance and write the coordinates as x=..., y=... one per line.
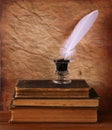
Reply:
x=53, y=114
x=48, y=89
x=92, y=101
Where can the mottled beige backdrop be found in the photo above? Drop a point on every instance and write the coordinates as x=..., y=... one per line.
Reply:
x=33, y=31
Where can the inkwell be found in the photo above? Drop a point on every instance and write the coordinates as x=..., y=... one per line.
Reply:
x=61, y=71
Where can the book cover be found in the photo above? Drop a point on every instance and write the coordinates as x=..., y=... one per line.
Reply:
x=48, y=85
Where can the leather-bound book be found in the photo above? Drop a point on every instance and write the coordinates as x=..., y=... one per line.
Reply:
x=48, y=89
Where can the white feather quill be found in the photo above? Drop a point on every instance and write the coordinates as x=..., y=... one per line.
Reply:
x=78, y=33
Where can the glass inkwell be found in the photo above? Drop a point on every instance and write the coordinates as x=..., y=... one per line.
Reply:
x=61, y=71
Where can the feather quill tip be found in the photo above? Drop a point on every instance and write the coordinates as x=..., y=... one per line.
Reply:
x=78, y=33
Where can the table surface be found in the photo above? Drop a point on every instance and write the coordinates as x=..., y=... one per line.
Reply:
x=104, y=123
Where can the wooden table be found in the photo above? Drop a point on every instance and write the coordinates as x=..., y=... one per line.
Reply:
x=105, y=123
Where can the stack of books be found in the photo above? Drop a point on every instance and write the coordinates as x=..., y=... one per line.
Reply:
x=44, y=101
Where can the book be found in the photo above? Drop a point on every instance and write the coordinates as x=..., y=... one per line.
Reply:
x=92, y=101
x=53, y=114
x=48, y=89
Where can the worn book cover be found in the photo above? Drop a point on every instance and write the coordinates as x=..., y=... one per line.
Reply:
x=48, y=85
x=47, y=89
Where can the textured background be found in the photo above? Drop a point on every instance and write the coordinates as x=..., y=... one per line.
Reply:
x=32, y=31
x=0, y=57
